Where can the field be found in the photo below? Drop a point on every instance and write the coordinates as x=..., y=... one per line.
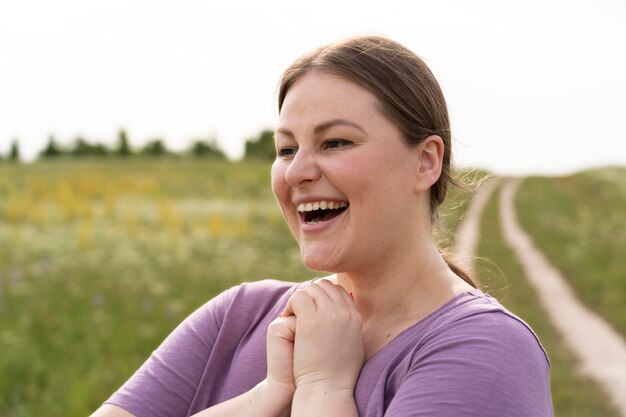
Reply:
x=579, y=222
x=99, y=260
x=98, y=263
x=573, y=395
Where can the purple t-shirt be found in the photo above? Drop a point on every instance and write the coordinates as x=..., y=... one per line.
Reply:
x=470, y=357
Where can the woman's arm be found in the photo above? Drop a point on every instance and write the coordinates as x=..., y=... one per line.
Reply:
x=110, y=410
x=323, y=400
x=264, y=400
x=328, y=351
x=159, y=389
x=271, y=397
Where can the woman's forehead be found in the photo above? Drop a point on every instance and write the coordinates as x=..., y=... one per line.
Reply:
x=319, y=97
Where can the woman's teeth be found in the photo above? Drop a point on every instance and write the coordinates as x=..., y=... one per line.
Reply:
x=318, y=211
x=323, y=205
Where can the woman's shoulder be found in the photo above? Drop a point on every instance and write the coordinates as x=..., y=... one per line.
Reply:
x=264, y=289
x=472, y=351
x=268, y=286
x=477, y=307
x=262, y=292
x=477, y=318
x=251, y=298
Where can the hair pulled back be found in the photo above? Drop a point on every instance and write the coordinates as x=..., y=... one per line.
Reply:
x=407, y=90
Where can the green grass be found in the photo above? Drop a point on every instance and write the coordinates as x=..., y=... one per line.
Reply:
x=456, y=205
x=573, y=395
x=579, y=222
x=100, y=261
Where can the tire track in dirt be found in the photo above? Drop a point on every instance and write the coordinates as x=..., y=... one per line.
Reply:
x=469, y=230
x=600, y=349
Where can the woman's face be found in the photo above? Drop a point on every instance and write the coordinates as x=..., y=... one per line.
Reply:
x=343, y=175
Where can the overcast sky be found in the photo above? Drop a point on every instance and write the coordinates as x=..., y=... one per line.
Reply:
x=534, y=86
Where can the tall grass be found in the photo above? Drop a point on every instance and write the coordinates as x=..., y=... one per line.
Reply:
x=579, y=222
x=456, y=205
x=99, y=262
x=573, y=395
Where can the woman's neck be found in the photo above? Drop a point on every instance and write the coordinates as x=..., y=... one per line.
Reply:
x=402, y=292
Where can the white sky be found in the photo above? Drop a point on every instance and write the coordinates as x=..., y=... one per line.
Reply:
x=534, y=86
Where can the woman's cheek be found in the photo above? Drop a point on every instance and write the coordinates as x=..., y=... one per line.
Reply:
x=277, y=174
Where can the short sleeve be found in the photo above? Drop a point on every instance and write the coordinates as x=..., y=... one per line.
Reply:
x=166, y=383
x=492, y=366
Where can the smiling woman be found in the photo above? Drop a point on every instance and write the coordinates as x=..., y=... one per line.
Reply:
x=369, y=169
x=363, y=162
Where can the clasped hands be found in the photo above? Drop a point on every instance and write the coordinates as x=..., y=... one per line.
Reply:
x=315, y=348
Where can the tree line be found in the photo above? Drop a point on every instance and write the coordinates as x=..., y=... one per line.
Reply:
x=258, y=147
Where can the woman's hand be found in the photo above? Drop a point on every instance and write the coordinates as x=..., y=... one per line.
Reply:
x=328, y=348
x=281, y=335
x=273, y=396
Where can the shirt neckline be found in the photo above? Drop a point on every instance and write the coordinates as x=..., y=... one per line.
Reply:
x=438, y=311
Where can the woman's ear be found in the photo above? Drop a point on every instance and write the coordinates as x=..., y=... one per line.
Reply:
x=429, y=162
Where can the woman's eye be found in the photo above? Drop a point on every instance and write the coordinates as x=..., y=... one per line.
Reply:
x=336, y=143
x=286, y=151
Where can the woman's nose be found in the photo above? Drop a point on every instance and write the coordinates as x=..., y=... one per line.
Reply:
x=303, y=169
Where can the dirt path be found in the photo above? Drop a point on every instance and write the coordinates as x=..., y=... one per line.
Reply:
x=600, y=349
x=469, y=229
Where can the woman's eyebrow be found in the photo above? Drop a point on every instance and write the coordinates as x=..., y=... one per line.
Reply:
x=322, y=127
x=282, y=131
x=335, y=122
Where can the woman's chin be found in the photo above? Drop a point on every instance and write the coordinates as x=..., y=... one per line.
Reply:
x=317, y=266
x=319, y=262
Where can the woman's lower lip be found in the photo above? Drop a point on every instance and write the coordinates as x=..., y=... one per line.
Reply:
x=320, y=226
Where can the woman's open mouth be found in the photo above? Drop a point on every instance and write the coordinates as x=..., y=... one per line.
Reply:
x=315, y=212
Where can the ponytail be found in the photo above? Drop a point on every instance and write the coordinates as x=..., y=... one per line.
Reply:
x=462, y=273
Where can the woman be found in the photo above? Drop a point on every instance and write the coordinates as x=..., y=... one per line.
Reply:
x=363, y=162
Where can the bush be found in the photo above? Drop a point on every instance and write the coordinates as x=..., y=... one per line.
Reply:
x=261, y=147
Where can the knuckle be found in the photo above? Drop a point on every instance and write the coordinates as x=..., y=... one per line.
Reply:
x=275, y=325
x=299, y=296
x=276, y=322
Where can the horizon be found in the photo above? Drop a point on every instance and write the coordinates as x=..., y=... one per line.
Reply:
x=531, y=89
x=136, y=152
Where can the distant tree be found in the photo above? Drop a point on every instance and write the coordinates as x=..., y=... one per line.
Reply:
x=155, y=147
x=261, y=147
x=100, y=149
x=83, y=148
x=52, y=149
x=203, y=148
x=14, y=153
x=123, y=147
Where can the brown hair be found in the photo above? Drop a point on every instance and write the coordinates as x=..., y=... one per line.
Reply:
x=406, y=88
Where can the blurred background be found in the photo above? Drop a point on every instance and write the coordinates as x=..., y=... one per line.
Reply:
x=136, y=141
